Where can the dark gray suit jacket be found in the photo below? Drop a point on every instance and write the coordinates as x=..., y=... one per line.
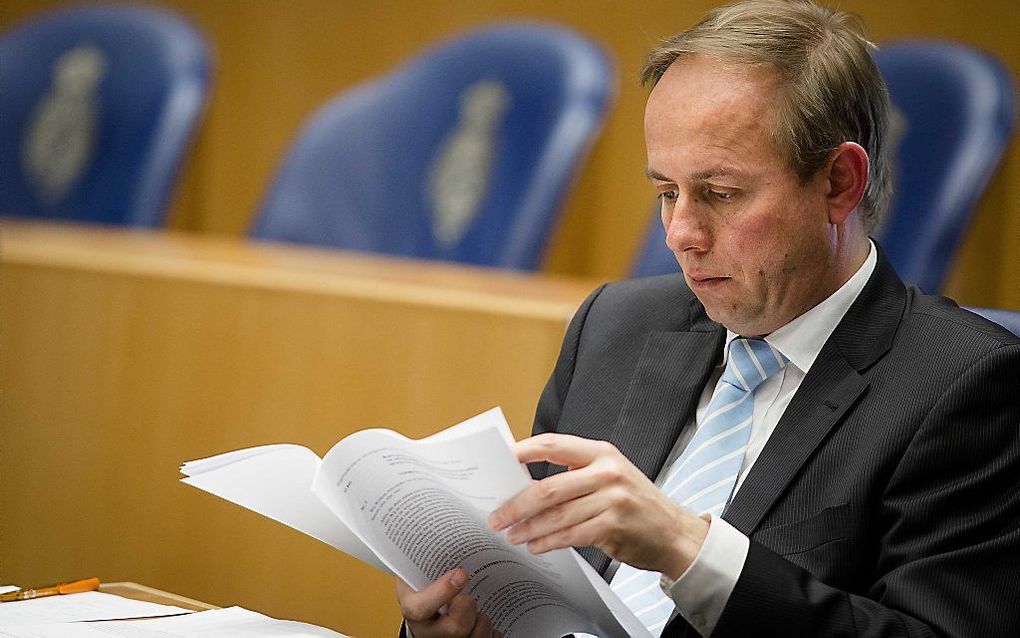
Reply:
x=886, y=502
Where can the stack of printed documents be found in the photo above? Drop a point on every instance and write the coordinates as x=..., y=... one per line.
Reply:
x=93, y=614
x=419, y=508
x=86, y=606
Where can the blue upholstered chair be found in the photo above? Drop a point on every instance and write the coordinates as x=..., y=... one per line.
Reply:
x=1009, y=319
x=954, y=112
x=956, y=109
x=99, y=104
x=462, y=154
x=655, y=258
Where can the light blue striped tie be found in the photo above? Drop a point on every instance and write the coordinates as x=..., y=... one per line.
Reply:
x=702, y=479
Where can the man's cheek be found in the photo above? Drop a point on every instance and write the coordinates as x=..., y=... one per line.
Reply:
x=754, y=250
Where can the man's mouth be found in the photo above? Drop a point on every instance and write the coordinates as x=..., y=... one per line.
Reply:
x=704, y=282
x=703, y=278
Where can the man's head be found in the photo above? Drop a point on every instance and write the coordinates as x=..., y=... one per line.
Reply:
x=830, y=89
x=761, y=127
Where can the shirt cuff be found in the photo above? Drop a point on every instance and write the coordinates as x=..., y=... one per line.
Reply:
x=702, y=591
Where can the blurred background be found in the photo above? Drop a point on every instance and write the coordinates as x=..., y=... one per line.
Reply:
x=276, y=62
x=123, y=354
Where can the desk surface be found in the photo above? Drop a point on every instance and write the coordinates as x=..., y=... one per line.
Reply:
x=153, y=595
x=126, y=353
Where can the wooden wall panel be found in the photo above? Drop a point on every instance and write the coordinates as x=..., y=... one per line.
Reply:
x=123, y=355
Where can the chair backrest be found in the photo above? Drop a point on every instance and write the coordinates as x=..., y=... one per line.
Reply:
x=655, y=258
x=99, y=104
x=463, y=154
x=953, y=114
x=1008, y=319
x=954, y=110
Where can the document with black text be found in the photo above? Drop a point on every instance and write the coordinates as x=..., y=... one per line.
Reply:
x=419, y=508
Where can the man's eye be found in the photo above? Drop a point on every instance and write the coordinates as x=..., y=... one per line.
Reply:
x=667, y=196
x=723, y=196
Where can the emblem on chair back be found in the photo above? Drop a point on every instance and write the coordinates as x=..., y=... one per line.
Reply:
x=459, y=176
x=61, y=138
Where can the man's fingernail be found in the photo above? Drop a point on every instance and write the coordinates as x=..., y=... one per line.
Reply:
x=495, y=522
x=458, y=579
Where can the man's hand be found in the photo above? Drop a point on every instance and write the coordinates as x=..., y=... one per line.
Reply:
x=421, y=609
x=603, y=500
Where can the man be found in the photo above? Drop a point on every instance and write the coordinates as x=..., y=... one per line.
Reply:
x=872, y=432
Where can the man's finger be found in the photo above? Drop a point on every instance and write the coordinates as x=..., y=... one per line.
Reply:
x=483, y=628
x=418, y=606
x=556, y=518
x=542, y=495
x=561, y=449
x=587, y=532
x=460, y=619
x=583, y=479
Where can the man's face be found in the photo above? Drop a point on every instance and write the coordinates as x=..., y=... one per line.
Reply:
x=755, y=243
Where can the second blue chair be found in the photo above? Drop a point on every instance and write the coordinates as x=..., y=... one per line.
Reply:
x=1008, y=319
x=956, y=108
x=463, y=154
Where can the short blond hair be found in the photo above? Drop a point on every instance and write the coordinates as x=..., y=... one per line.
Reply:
x=830, y=89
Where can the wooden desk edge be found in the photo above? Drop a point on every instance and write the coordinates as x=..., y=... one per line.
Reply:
x=232, y=261
x=144, y=593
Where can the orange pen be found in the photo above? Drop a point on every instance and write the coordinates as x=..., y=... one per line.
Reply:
x=89, y=584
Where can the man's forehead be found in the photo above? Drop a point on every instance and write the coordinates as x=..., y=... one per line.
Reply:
x=709, y=84
x=717, y=66
x=712, y=115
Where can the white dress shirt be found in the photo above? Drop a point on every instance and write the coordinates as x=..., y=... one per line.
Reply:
x=702, y=591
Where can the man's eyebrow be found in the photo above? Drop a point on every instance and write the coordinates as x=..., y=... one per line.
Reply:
x=719, y=171
x=702, y=175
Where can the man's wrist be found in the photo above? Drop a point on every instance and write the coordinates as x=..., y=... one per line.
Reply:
x=702, y=592
x=686, y=544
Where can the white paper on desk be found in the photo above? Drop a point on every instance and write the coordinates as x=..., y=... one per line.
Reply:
x=90, y=605
x=276, y=481
x=233, y=622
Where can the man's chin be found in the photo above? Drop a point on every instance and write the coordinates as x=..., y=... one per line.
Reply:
x=717, y=315
x=732, y=319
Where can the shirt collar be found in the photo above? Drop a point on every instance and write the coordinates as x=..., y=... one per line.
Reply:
x=802, y=339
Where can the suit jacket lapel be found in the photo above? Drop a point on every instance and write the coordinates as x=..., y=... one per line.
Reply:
x=830, y=388
x=662, y=395
x=827, y=391
x=664, y=390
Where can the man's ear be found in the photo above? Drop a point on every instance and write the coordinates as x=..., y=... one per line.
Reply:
x=848, y=176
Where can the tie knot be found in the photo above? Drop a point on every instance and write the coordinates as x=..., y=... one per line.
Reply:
x=751, y=361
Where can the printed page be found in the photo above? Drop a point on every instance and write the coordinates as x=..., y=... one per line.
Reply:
x=422, y=507
x=90, y=605
x=233, y=622
x=276, y=481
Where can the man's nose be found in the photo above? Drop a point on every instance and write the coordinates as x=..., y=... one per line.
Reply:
x=686, y=227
